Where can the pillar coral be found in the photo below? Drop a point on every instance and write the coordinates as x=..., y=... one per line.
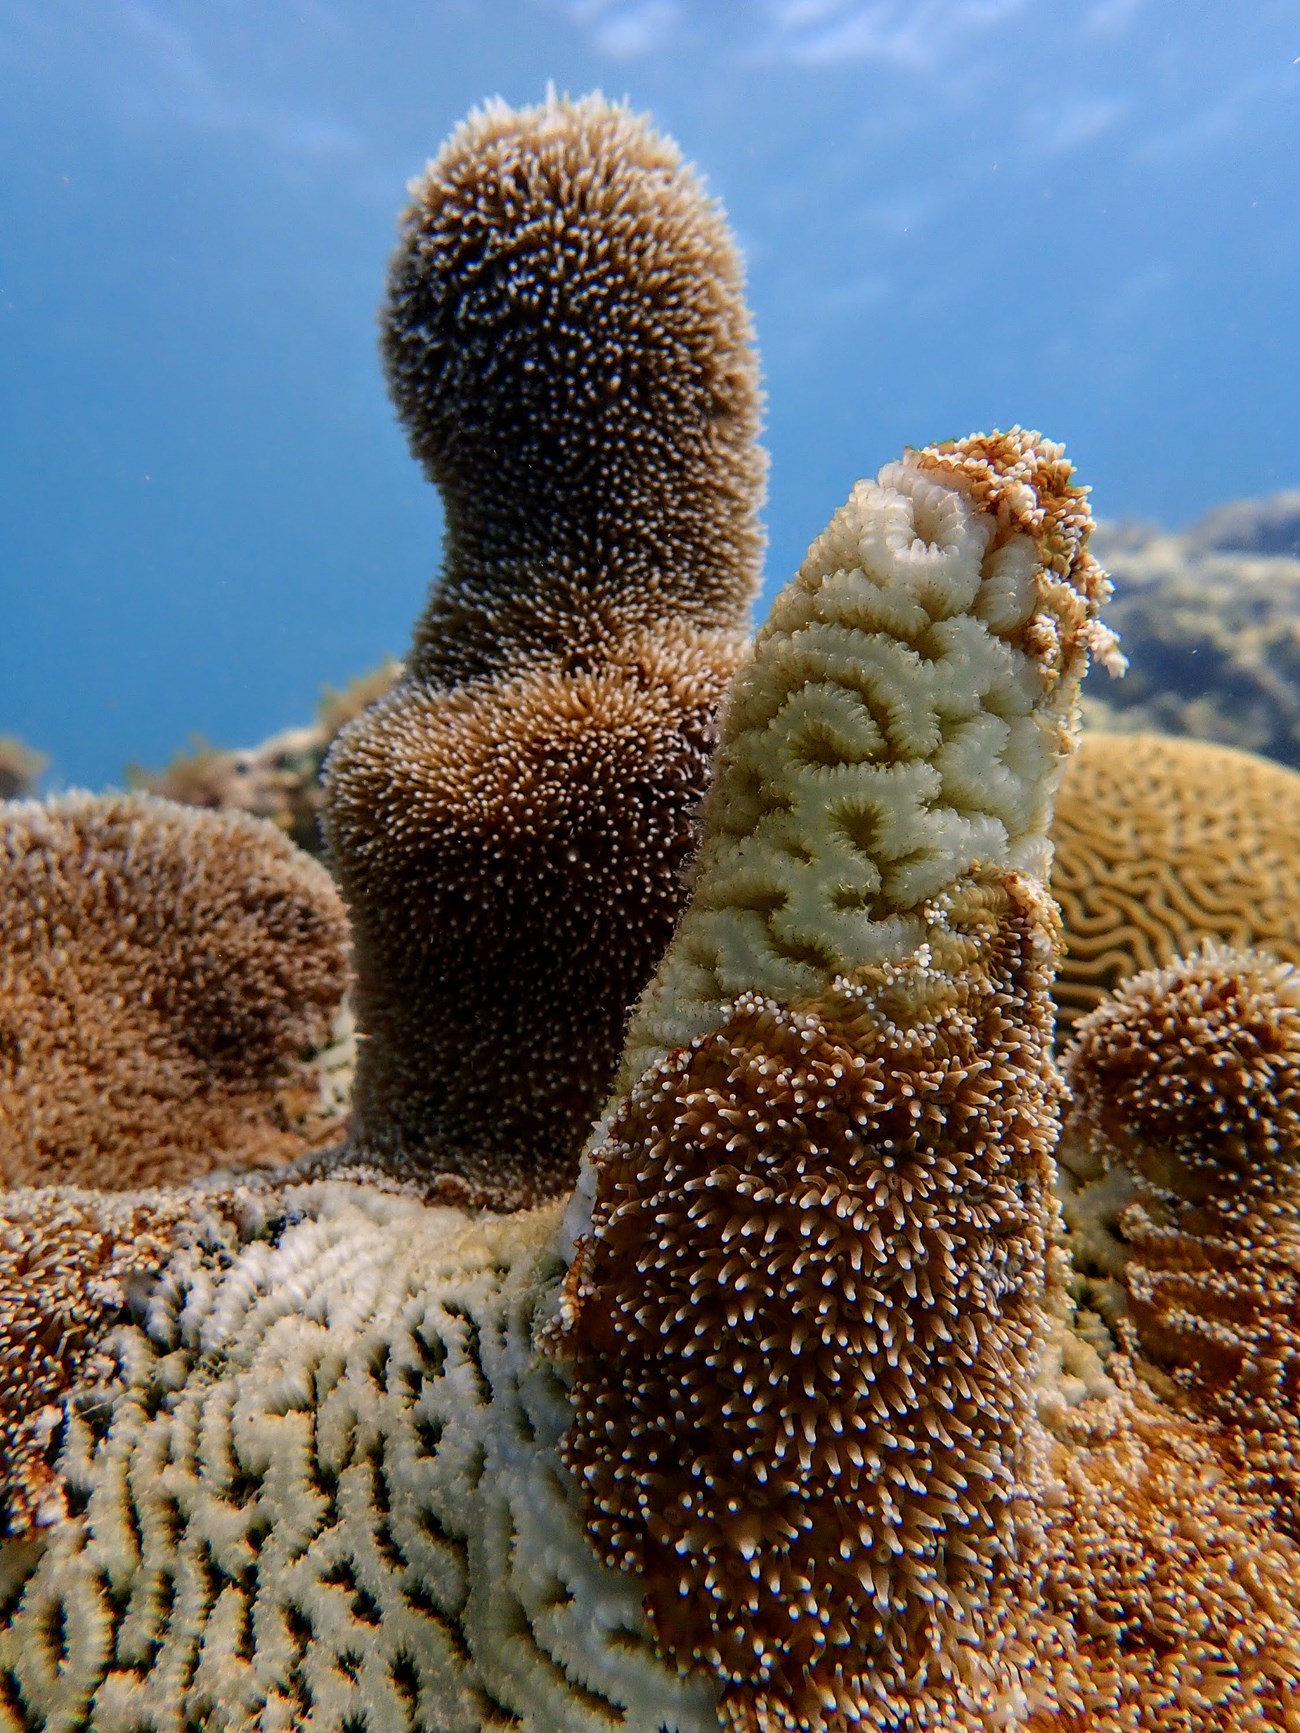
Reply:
x=811, y=1302
x=568, y=347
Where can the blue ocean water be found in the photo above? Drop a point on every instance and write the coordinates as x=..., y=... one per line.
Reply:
x=956, y=214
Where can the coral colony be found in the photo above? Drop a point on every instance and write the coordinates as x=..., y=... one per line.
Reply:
x=826, y=1383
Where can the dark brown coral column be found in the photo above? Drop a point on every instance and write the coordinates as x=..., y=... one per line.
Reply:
x=567, y=344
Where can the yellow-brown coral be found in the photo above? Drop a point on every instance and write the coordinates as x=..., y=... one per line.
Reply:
x=567, y=344
x=1161, y=843
x=811, y=1303
x=1183, y=1154
x=164, y=975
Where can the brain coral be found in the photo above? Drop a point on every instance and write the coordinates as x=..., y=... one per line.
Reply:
x=1161, y=843
x=164, y=975
x=567, y=343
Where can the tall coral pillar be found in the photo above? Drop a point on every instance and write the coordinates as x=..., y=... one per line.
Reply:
x=811, y=1281
x=568, y=346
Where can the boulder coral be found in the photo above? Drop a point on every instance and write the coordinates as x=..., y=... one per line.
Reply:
x=166, y=977
x=568, y=347
x=1161, y=844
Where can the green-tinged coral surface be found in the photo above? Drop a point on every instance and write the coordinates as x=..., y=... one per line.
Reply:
x=319, y=1488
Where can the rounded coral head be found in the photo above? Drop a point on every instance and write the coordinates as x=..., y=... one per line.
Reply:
x=1162, y=844
x=567, y=343
x=1191, y=1073
x=165, y=973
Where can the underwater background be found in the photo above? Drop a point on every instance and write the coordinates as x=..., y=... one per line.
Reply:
x=955, y=214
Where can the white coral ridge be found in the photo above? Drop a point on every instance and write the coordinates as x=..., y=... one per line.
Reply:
x=892, y=729
x=325, y=1495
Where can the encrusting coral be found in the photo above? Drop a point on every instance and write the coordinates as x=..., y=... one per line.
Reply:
x=165, y=978
x=568, y=346
x=1163, y=843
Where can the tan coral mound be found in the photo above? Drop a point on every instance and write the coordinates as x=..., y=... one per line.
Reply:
x=810, y=1306
x=1162, y=843
x=164, y=977
x=568, y=346
x=1183, y=1155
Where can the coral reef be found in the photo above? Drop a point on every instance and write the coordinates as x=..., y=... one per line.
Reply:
x=810, y=1308
x=278, y=779
x=1161, y=843
x=796, y=1419
x=165, y=976
x=812, y=1409
x=568, y=346
x=20, y=768
x=1211, y=623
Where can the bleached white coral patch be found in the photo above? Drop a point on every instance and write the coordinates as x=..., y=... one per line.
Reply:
x=894, y=727
x=324, y=1494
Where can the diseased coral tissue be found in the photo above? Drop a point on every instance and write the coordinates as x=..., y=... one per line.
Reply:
x=825, y=1398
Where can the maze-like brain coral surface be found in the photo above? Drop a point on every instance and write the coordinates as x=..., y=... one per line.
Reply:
x=1162, y=843
x=318, y=1486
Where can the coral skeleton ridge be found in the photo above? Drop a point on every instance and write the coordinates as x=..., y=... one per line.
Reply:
x=823, y=1399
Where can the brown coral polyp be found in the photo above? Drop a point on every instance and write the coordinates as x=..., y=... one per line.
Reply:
x=1188, y=1082
x=567, y=343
